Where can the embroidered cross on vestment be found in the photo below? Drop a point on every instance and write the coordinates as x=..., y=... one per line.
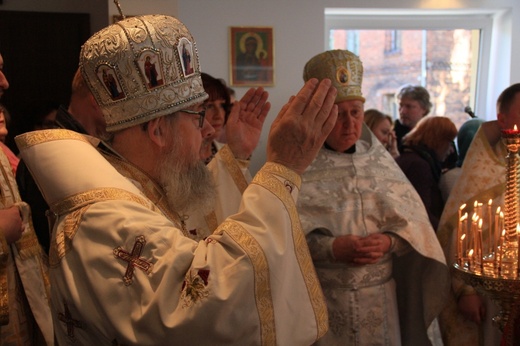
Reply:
x=71, y=323
x=133, y=259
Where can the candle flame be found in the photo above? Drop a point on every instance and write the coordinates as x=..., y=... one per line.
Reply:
x=503, y=233
x=480, y=224
x=463, y=236
x=470, y=253
x=475, y=204
x=515, y=128
x=490, y=202
x=501, y=215
x=498, y=210
x=462, y=206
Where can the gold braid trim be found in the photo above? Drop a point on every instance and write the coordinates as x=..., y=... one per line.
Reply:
x=28, y=246
x=284, y=172
x=233, y=168
x=265, y=179
x=264, y=300
x=75, y=206
x=4, y=297
x=30, y=139
x=86, y=198
x=62, y=243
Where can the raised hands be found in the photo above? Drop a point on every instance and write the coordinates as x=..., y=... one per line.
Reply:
x=11, y=224
x=303, y=124
x=244, y=125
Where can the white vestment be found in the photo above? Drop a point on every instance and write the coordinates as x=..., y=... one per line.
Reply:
x=123, y=270
x=482, y=177
x=394, y=301
x=25, y=316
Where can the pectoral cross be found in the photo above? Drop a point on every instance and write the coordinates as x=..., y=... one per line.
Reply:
x=133, y=259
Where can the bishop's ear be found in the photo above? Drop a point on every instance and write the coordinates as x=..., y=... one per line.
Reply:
x=157, y=130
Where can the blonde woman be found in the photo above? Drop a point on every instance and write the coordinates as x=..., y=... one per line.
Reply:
x=382, y=126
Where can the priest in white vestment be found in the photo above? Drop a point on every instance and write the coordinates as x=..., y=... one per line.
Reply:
x=468, y=318
x=380, y=265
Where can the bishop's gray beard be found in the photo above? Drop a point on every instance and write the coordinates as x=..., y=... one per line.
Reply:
x=188, y=185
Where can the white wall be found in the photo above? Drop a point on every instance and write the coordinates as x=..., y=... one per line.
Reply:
x=299, y=32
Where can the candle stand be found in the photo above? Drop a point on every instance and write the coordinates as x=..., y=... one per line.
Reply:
x=487, y=255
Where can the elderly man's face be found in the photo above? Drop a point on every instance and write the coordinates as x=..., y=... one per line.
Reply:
x=347, y=130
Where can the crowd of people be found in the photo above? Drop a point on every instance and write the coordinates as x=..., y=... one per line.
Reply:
x=133, y=218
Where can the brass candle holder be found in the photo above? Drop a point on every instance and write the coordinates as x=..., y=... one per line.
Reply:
x=511, y=139
x=500, y=281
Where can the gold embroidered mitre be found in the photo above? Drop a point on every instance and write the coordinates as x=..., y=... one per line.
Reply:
x=142, y=68
x=343, y=68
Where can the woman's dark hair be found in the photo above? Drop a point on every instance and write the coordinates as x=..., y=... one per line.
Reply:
x=216, y=89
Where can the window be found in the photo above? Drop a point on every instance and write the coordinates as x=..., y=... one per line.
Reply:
x=449, y=52
x=439, y=60
x=344, y=39
x=392, y=41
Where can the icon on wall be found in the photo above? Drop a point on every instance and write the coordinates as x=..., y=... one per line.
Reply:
x=251, y=56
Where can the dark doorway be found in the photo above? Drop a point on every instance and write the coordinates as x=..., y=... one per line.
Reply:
x=40, y=52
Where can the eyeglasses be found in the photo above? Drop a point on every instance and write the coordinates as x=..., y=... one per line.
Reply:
x=201, y=114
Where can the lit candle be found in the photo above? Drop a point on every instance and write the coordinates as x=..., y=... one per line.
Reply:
x=466, y=232
x=514, y=131
x=459, y=225
x=479, y=212
x=470, y=258
x=496, y=230
x=501, y=221
x=480, y=250
x=461, y=249
x=461, y=208
x=489, y=241
x=474, y=232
